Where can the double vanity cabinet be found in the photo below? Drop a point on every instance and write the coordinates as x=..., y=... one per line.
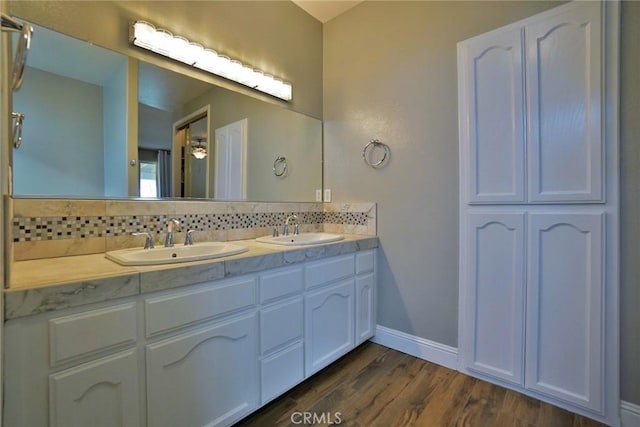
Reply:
x=203, y=354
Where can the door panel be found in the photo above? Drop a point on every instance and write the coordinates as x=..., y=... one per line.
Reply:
x=494, y=144
x=564, y=106
x=494, y=296
x=565, y=318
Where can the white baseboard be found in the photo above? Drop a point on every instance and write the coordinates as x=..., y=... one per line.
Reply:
x=419, y=347
x=629, y=414
x=448, y=356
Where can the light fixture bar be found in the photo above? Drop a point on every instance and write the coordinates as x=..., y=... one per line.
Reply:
x=180, y=49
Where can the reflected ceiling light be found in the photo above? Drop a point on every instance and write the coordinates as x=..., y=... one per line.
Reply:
x=199, y=150
x=180, y=49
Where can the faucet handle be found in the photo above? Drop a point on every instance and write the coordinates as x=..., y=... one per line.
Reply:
x=172, y=223
x=148, y=243
x=188, y=239
x=296, y=230
x=276, y=233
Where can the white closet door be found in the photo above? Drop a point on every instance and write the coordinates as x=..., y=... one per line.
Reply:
x=492, y=136
x=230, y=177
x=565, y=298
x=564, y=86
x=493, y=300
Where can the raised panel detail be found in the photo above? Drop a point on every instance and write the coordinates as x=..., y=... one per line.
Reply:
x=565, y=318
x=88, y=332
x=205, y=377
x=494, y=295
x=329, y=270
x=493, y=134
x=329, y=325
x=564, y=85
x=104, y=392
x=365, y=307
x=186, y=307
x=280, y=283
x=281, y=324
x=365, y=262
x=281, y=371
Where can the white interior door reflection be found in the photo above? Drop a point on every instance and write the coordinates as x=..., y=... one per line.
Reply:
x=230, y=176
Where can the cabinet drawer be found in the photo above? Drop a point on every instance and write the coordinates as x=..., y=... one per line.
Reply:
x=365, y=262
x=85, y=333
x=280, y=324
x=281, y=371
x=280, y=283
x=183, y=308
x=330, y=270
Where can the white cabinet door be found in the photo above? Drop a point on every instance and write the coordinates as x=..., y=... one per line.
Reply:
x=565, y=298
x=329, y=325
x=492, y=117
x=104, y=392
x=365, y=307
x=208, y=376
x=492, y=296
x=564, y=104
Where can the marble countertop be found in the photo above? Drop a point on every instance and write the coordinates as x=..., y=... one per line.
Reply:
x=43, y=285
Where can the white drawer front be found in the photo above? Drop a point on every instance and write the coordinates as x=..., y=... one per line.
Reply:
x=365, y=262
x=280, y=324
x=281, y=371
x=187, y=307
x=88, y=332
x=330, y=270
x=280, y=283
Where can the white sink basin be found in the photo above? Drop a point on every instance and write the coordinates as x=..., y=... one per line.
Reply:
x=301, y=239
x=178, y=253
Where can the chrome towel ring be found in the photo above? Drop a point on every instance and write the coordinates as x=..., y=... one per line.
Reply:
x=368, y=149
x=280, y=166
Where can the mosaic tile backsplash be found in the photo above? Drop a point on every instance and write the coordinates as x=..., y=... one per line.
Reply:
x=42, y=228
x=53, y=228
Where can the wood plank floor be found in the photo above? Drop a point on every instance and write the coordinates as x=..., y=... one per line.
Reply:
x=378, y=386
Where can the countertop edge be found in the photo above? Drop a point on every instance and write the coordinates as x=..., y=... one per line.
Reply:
x=131, y=281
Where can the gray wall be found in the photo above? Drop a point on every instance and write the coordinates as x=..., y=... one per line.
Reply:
x=58, y=155
x=272, y=131
x=155, y=128
x=275, y=36
x=390, y=73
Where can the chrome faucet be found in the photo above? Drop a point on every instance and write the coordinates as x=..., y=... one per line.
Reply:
x=148, y=243
x=188, y=239
x=296, y=229
x=171, y=225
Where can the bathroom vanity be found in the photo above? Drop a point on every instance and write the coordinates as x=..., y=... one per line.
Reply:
x=199, y=343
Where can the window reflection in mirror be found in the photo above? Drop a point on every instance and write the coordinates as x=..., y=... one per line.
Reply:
x=74, y=131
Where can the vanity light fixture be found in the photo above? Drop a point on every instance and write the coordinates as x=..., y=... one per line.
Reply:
x=180, y=49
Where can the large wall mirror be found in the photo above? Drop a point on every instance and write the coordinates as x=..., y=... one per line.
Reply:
x=194, y=139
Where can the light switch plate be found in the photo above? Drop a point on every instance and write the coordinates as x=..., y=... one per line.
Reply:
x=318, y=195
x=327, y=195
